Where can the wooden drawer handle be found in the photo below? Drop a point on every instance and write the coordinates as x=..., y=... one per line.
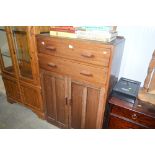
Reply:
x=134, y=116
x=86, y=73
x=51, y=64
x=52, y=48
x=87, y=55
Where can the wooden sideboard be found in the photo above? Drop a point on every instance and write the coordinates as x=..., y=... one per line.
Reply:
x=76, y=77
x=125, y=115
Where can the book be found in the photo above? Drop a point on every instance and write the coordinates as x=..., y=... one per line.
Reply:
x=97, y=33
x=63, y=34
x=99, y=28
x=63, y=30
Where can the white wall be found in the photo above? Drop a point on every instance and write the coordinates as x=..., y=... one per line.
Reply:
x=139, y=46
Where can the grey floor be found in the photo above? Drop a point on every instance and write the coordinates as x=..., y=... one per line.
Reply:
x=16, y=116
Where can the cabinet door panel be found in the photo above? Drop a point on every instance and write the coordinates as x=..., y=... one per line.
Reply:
x=32, y=96
x=12, y=89
x=21, y=41
x=86, y=106
x=60, y=100
x=50, y=100
x=55, y=97
x=92, y=108
x=5, y=52
x=76, y=105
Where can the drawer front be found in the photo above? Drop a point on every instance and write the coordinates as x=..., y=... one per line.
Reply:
x=134, y=116
x=118, y=123
x=93, y=53
x=76, y=70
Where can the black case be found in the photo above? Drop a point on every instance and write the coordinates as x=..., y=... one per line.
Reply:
x=126, y=89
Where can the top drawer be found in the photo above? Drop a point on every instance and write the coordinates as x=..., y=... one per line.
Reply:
x=85, y=51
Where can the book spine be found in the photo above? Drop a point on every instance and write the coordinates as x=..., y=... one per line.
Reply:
x=96, y=34
x=66, y=34
x=63, y=34
x=63, y=27
x=99, y=28
x=62, y=30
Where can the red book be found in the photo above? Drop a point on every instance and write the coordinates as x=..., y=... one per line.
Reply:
x=69, y=29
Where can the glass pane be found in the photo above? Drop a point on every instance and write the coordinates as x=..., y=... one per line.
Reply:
x=23, y=55
x=5, y=51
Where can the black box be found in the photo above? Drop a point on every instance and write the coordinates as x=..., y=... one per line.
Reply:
x=126, y=89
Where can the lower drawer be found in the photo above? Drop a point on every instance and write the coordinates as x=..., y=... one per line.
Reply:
x=73, y=69
x=118, y=123
x=135, y=116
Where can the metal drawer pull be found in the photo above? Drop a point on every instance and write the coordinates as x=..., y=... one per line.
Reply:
x=52, y=48
x=86, y=73
x=87, y=55
x=134, y=116
x=51, y=65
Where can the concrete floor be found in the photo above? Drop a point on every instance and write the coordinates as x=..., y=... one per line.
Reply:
x=16, y=116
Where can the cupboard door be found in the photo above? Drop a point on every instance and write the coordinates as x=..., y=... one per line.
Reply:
x=55, y=97
x=12, y=89
x=86, y=106
x=31, y=96
x=5, y=52
x=22, y=45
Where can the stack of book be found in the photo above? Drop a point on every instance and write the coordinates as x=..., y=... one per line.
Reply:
x=100, y=33
x=63, y=31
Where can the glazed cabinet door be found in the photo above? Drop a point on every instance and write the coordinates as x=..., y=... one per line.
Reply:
x=55, y=98
x=86, y=106
x=6, y=52
x=26, y=55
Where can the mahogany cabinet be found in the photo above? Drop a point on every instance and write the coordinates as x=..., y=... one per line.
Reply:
x=19, y=65
x=125, y=115
x=76, y=77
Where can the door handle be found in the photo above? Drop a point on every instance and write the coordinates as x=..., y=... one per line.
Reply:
x=51, y=64
x=87, y=55
x=86, y=73
x=52, y=48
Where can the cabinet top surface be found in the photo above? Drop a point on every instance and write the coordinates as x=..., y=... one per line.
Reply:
x=139, y=106
x=118, y=40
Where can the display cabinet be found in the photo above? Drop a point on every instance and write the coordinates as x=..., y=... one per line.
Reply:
x=19, y=65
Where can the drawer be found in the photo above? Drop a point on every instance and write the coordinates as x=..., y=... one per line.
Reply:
x=85, y=51
x=135, y=116
x=118, y=123
x=74, y=69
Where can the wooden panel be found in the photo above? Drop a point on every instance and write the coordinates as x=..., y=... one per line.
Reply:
x=32, y=96
x=135, y=116
x=12, y=89
x=55, y=98
x=85, y=106
x=76, y=105
x=75, y=49
x=60, y=100
x=92, y=108
x=49, y=88
x=118, y=123
x=76, y=70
